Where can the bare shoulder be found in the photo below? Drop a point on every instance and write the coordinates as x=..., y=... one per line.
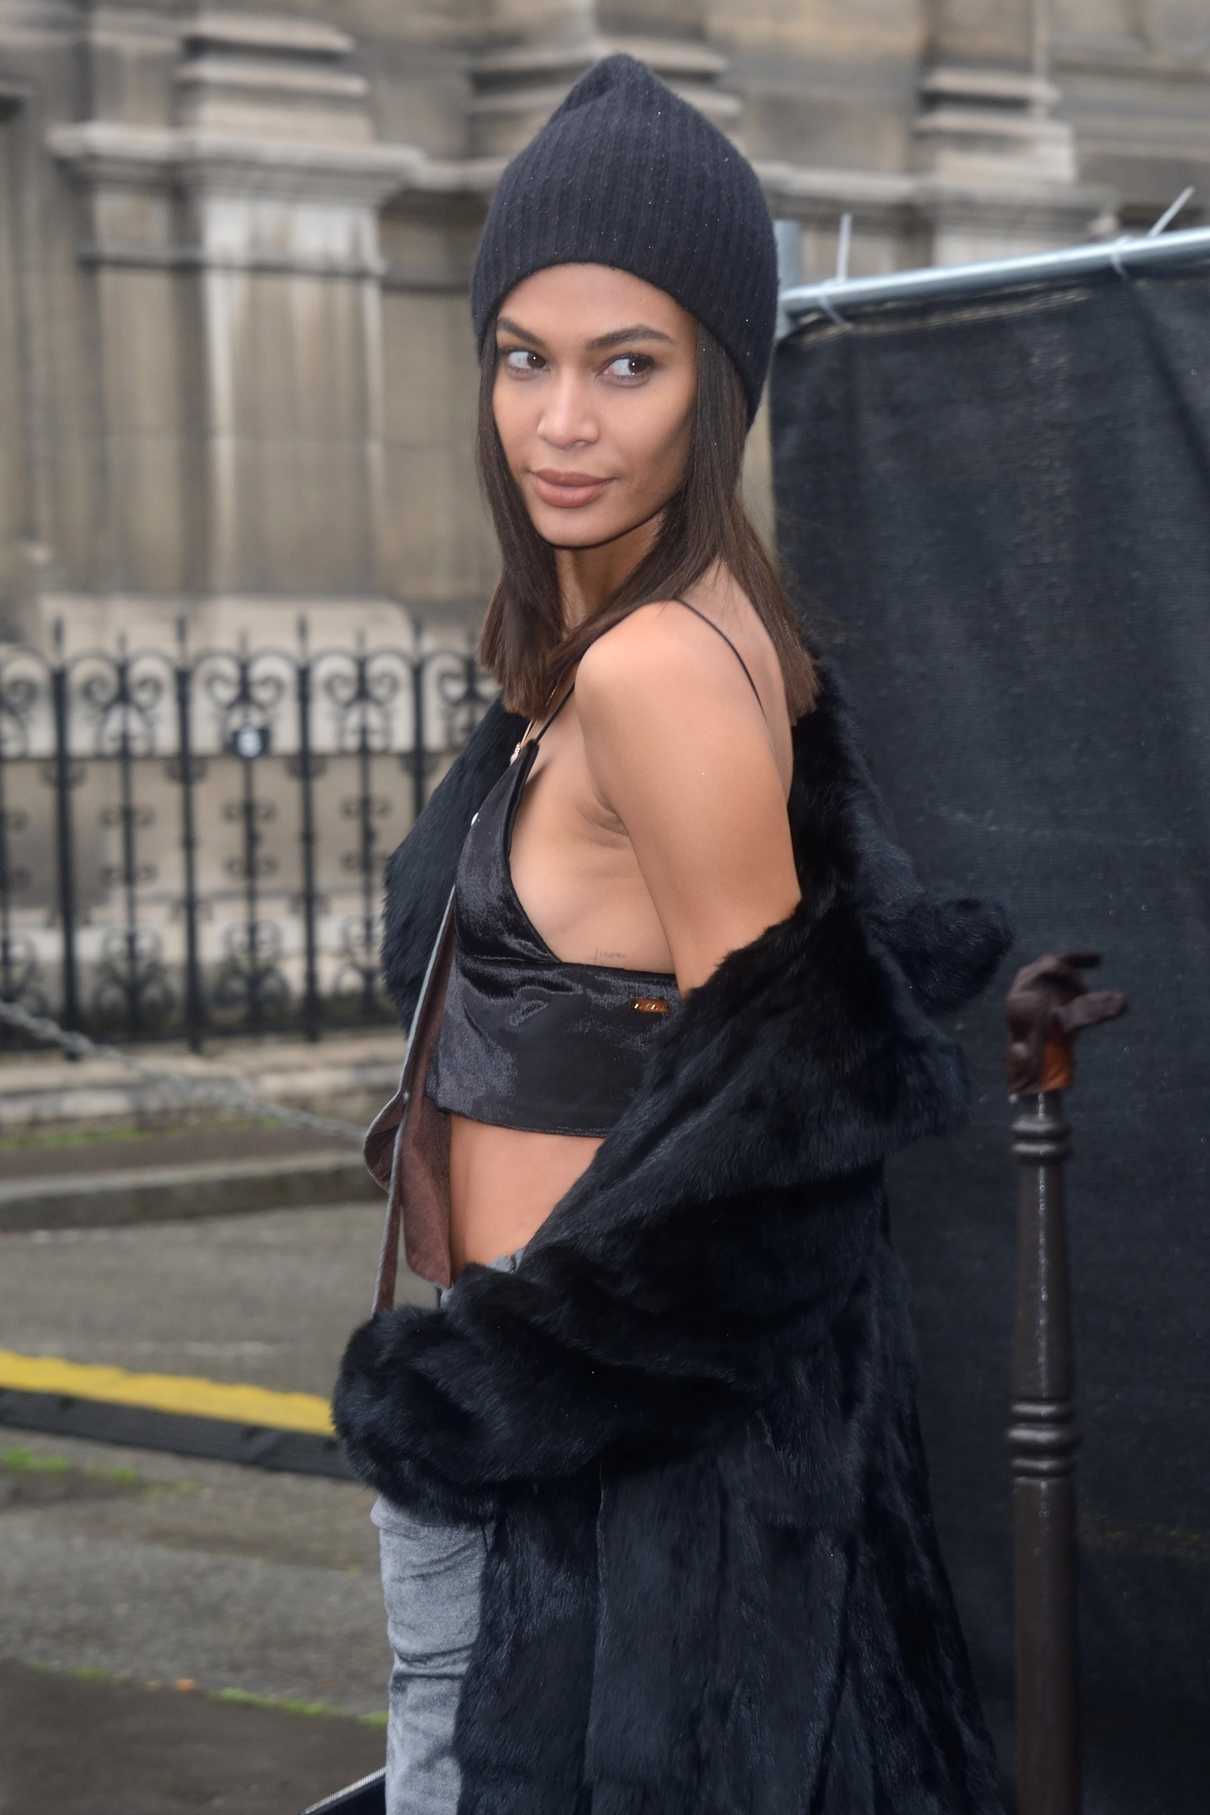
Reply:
x=659, y=621
x=664, y=642
x=678, y=751
x=662, y=660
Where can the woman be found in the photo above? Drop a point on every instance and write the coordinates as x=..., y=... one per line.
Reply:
x=630, y=1497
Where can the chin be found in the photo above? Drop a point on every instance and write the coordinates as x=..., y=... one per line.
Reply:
x=588, y=532
x=558, y=537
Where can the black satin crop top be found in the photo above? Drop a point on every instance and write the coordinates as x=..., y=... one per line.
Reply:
x=528, y=1039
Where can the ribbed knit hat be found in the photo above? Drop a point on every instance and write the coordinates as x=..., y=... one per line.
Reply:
x=626, y=173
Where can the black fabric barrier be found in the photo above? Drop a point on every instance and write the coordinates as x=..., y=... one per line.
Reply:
x=996, y=513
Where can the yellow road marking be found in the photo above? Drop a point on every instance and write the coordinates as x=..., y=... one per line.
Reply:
x=258, y=1405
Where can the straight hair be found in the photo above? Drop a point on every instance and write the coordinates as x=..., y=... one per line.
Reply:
x=524, y=643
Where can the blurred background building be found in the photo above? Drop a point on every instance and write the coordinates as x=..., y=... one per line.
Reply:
x=238, y=400
x=236, y=371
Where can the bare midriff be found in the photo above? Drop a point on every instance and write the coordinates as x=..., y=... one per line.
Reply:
x=504, y=1183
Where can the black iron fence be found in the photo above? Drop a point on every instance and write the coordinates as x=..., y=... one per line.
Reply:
x=192, y=841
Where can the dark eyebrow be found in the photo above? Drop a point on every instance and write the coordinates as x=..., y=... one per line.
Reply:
x=615, y=337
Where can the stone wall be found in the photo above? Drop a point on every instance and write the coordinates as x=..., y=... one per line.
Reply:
x=236, y=371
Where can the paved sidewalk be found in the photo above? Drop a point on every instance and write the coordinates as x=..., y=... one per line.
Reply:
x=268, y=1299
x=169, y=1619
x=144, y=1566
x=87, y=1747
x=139, y=1565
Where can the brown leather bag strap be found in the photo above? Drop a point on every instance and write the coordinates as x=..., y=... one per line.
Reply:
x=384, y=1137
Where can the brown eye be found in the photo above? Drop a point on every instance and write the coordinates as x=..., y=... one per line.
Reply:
x=643, y=360
x=521, y=354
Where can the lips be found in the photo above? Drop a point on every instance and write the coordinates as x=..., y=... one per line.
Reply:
x=567, y=491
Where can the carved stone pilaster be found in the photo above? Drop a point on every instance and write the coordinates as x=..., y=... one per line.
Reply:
x=527, y=62
x=243, y=240
x=272, y=76
x=997, y=164
x=991, y=125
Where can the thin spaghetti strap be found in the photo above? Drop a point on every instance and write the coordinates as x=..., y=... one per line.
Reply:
x=554, y=715
x=739, y=658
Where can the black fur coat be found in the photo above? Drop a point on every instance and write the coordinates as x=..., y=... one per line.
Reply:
x=713, y=1585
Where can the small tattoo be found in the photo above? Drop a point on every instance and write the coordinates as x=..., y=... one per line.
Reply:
x=600, y=955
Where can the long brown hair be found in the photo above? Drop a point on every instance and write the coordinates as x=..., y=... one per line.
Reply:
x=524, y=642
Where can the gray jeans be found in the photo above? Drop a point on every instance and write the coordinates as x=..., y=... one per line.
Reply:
x=431, y=1572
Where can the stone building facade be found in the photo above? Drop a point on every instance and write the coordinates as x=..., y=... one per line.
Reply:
x=236, y=371
x=238, y=396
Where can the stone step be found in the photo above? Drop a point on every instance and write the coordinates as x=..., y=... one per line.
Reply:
x=87, y=1197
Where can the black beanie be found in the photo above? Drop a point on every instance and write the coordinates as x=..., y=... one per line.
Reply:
x=625, y=173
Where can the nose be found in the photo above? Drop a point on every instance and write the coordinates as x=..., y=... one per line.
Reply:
x=567, y=418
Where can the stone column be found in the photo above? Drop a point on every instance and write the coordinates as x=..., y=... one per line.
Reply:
x=286, y=308
x=236, y=258
x=30, y=560
x=14, y=415
x=996, y=160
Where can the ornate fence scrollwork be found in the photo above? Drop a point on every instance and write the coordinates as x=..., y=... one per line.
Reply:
x=218, y=824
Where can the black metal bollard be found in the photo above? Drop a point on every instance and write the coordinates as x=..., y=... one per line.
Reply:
x=1046, y=1005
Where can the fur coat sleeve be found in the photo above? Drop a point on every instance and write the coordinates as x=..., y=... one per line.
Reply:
x=724, y=1222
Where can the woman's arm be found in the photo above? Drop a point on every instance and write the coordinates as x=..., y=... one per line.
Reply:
x=678, y=750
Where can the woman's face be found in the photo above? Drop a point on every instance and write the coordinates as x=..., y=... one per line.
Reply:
x=595, y=382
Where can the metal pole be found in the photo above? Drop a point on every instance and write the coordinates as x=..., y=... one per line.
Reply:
x=1043, y=1438
x=1048, y=1003
x=312, y=1007
x=188, y=774
x=788, y=238
x=65, y=779
x=838, y=299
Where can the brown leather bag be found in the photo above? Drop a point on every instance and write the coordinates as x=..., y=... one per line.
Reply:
x=382, y=1145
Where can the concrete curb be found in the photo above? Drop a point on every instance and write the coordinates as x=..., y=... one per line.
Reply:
x=153, y=1194
x=140, y=1427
